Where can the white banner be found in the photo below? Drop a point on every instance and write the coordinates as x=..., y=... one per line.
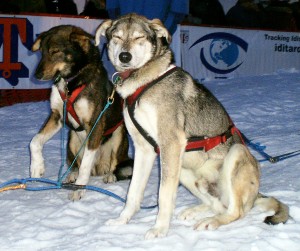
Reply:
x=18, y=62
x=17, y=34
x=209, y=53
x=203, y=51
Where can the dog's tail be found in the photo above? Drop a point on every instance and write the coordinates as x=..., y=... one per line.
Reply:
x=281, y=211
x=124, y=170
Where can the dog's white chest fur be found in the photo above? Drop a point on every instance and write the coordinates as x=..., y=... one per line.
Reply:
x=146, y=115
x=82, y=107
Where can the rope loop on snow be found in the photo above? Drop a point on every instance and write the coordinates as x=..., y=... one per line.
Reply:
x=15, y=184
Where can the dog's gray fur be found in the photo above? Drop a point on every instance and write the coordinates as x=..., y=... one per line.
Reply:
x=225, y=178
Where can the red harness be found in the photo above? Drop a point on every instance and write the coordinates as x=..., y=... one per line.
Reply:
x=194, y=143
x=70, y=109
x=70, y=105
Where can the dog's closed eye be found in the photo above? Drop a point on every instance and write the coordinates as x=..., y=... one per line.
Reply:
x=139, y=37
x=117, y=37
x=53, y=51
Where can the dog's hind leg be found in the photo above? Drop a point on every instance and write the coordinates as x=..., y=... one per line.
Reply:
x=124, y=165
x=202, y=188
x=239, y=183
x=143, y=162
x=111, y=152
x=74, y=144
x=116, y=143
x=51, y=127
x=191, y=213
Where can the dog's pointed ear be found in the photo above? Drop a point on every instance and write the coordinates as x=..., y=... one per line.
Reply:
x=81, y=37
x=37, y=43
x=160, y=29
x=101, y=30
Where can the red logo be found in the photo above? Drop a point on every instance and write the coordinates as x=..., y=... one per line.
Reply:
x=10, y=30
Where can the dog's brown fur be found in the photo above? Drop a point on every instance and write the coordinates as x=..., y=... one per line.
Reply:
x=69, y=55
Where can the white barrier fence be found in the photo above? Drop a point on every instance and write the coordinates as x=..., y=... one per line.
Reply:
x=202, y=51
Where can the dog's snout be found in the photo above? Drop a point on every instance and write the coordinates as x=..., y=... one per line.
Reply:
x=125, y=57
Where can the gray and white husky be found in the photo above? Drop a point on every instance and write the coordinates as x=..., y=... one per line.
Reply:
x=167, y=112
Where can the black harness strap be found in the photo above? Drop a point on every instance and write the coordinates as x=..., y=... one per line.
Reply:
x=193, y=143
x=131, y=101
x=141, y=130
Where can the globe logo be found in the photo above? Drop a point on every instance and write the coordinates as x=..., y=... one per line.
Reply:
x=223, y=50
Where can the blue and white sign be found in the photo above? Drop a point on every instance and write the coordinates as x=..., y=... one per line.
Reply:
x=209, y=53
x=221, y=52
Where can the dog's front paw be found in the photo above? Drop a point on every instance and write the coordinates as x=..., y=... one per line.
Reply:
x=192, y=212
x=116, y=222
x=210, y=223
x=72, y=177
x=109, y=178
x=156, y=232
x=187, y=214
x=76, y=195
x=37, y=171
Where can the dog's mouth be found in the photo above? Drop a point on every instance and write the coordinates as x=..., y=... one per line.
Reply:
x=121, y=69
x=126, y=74
x=43, y=75
x=43, y=78
x=125, y=67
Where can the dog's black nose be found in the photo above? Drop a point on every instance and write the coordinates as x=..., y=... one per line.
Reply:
x=125, y=57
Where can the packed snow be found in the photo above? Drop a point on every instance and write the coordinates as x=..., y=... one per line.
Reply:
x=265, y=108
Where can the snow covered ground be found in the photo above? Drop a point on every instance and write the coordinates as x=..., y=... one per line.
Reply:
x=265, y=108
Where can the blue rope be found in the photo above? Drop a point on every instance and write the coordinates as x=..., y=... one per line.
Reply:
x=58, y=184
x=273, y=159
x=63, y=151
x=24, y=181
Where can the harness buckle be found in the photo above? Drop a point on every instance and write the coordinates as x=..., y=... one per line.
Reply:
x=116, y=79
x=111, y=98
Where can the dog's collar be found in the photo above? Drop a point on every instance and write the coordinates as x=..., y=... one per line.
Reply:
x=118, y=77
x=57, y=79
x=70, y=87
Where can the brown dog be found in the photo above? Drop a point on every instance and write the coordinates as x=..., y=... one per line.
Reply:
x=70, y=58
